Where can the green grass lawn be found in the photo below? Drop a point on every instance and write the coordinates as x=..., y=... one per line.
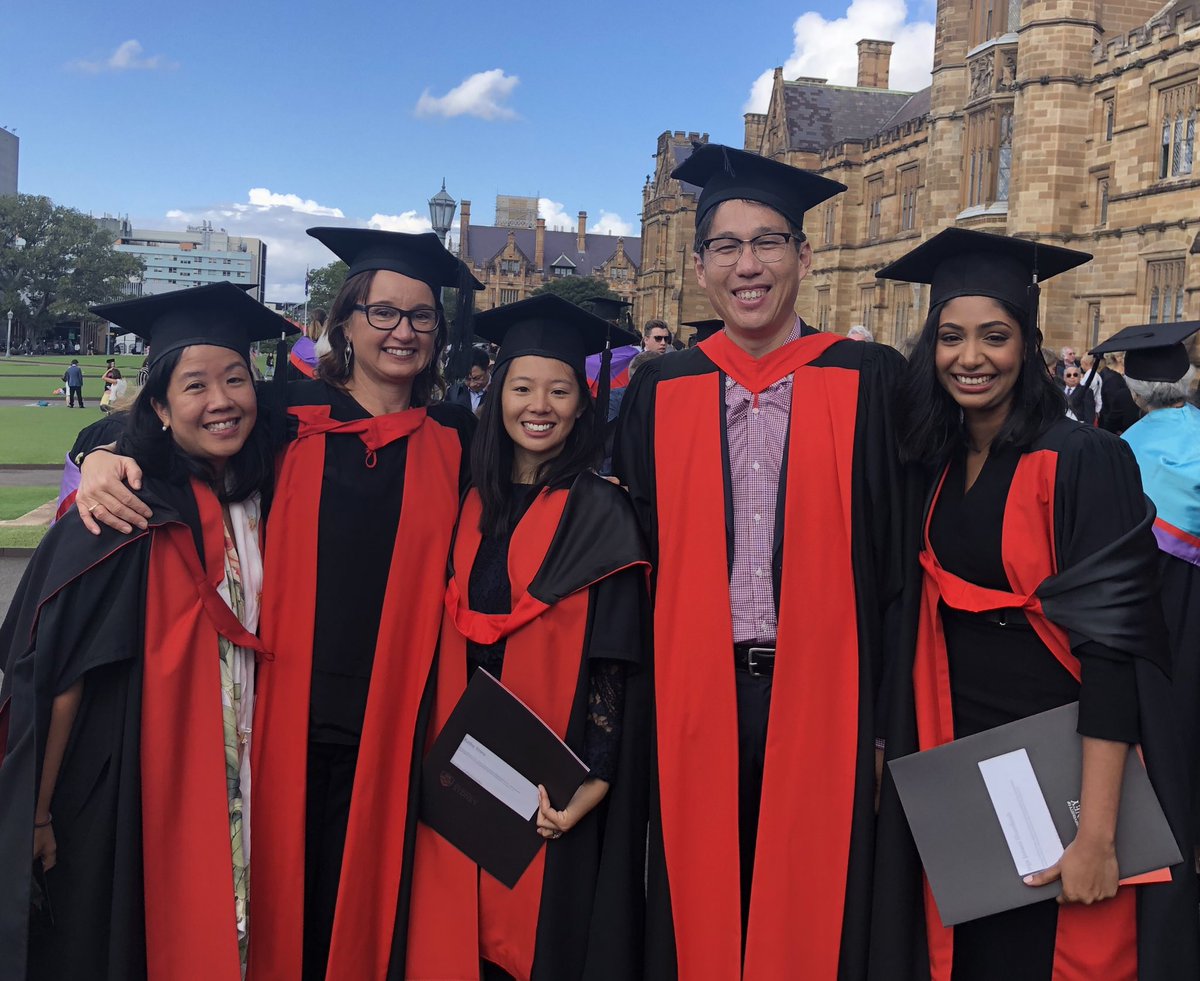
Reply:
x=21, y=537
x=37, y=378
x=36, y=435
x=16, y=501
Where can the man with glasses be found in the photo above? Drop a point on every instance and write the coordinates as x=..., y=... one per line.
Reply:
x=762, y=465
x=470, y=392
x=656, y=337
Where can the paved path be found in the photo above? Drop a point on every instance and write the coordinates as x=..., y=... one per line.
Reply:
x=11, y=570
x=41, y=476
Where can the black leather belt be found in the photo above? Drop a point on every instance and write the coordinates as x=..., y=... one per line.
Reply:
x=1009, y=617
x=757, y=660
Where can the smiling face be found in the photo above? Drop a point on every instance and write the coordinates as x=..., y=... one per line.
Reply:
x=540, y=402
x=978, y=355
x=755, y=299
x=210, y=405
x=390, y=360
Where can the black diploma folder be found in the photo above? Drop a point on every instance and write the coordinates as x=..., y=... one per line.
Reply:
x=490, y=751
x=967, y=860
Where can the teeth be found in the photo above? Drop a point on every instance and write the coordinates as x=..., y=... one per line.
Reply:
x=972, y=379
x=749, y=294
x=537, y=427
x=220, y=427
x=400, y=352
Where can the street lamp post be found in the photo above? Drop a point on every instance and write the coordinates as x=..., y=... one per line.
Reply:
x=8, y=339
x=441, y=213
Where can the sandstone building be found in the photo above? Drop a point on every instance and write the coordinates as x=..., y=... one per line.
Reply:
x=1071, y=122
x=513, y=260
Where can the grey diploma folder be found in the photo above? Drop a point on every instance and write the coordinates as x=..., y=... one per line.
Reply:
x=967, y=861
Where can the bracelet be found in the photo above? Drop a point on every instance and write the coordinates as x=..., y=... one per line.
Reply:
x=45, y=824
x=106, y=448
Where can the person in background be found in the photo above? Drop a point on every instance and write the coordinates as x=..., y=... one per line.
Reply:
x=1081, y=405
x=656, y=337
x=129, y=682
x=1120, y=411
x=1066, y=356
x=1023, y=502
x=1166, y=443
x=73, y=377
x=471, y=391
x=859, y=333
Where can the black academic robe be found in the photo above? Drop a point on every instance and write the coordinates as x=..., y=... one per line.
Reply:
x=1118, y=411
x=79, y=611
x=876, y=501
x=1105, y=594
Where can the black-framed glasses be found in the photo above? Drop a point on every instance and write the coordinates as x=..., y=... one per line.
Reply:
x=768, y=247
x=384, y=316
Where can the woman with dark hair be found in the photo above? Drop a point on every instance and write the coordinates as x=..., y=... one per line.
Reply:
x=548, y=594
x=352, y=602
x=1025, y=505
x=129, y=681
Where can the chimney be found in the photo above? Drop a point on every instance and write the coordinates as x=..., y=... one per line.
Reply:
x=581, y=244
x=464, y=230
x=874, y=64
x=539, y=246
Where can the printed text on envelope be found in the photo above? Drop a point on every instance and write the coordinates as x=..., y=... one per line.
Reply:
x=1021, y=808
x=495, y=776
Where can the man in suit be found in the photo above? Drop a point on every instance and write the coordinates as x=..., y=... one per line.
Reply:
x=472, y=390
x=1081, y=404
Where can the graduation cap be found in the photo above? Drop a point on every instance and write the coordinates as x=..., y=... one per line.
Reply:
x=960, y=262
x=220, y=314
x=608, y=308
x=704, y=328
x=547, y=326
x=1153, y=352
x=419, y=256
x=727, y=174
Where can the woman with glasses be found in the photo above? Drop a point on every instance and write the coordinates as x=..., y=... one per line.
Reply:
x=351, y=608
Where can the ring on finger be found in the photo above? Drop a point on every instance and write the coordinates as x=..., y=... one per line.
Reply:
x=93, y=507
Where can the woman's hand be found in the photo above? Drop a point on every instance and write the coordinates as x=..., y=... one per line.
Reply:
x=554, y=824
x=1088, y=871
x=44, y=845
x=103, y=496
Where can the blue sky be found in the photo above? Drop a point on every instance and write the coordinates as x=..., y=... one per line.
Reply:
x=267, y=116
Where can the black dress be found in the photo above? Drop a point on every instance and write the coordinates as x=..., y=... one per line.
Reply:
x=1001, y=673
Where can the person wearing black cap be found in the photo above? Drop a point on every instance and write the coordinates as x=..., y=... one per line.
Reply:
x=351, y=607
x=129, y=679
x=763, y=469
x=1039, y=589
x=1166, y=443
x=540, y=525
x=702, y=330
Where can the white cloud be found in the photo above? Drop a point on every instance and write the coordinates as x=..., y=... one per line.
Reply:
x=128, y=56
x=280, y=221
x=482, y=94
x=408, y=221
x=827, y=48
x=610, y=224
x=557, y=220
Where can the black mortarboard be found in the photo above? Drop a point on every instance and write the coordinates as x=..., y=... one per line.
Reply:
x=1153, y=352
x=704, y=328
x=550, y=327
x=608, y=308
x=960, y=262
x=220, y=314
x=418, y=256
x=727, y=174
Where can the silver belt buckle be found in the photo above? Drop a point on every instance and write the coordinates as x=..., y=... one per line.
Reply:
x=752, y=655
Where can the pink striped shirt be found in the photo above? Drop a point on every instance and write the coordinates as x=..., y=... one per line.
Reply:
x=756, y=435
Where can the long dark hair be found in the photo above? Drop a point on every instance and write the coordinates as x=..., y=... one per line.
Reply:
x=251, y=469
x=335, y=367
x=930, y=423
x=492, y=455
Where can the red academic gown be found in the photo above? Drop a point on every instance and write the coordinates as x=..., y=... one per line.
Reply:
x=143, y=887
x=1079, y=564
x=574, y=912
x=838, y=573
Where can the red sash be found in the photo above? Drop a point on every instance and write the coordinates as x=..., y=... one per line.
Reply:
x=372, y=862
x=804, y=828
x=1098, y=941
x=190, y=927
x=459, y=912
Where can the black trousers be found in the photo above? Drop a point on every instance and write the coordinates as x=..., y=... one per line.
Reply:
x=754, y=709
x=75, y=392
x=330, y=783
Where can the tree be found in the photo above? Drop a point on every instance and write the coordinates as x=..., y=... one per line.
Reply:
x=577, y=288
x=324, y=283
x=55, y=262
